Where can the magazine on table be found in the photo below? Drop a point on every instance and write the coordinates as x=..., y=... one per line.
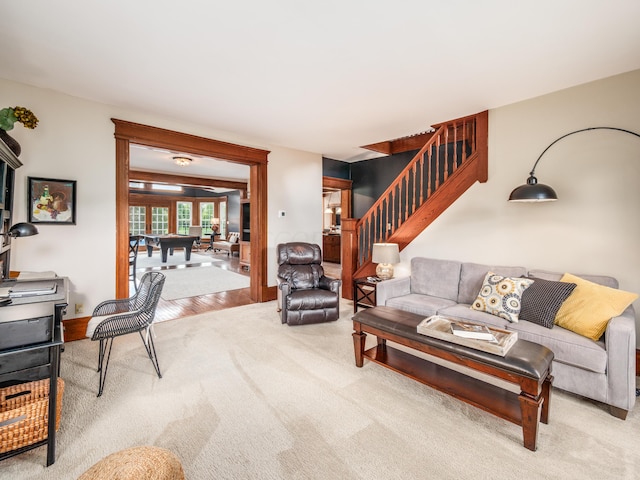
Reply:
x=472, y=330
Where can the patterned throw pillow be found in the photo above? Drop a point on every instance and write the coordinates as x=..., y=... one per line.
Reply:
x=542, y=300
x=501, y=296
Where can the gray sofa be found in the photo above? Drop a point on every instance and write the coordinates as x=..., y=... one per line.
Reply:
x=602, y=370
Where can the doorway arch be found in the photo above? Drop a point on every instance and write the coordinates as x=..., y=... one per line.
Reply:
x=128, y=132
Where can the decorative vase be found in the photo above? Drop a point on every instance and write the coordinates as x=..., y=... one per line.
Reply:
x=10, y=142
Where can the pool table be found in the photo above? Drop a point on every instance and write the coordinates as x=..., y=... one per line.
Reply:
x=168, y=243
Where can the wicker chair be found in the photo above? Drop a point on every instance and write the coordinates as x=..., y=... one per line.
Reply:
x=114, y=318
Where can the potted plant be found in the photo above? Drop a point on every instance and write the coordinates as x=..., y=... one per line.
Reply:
x=8, y=117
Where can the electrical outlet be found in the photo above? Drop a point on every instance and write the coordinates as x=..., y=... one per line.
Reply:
x=79, y=308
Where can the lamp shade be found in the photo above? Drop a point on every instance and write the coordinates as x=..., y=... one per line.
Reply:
x=385, y=253
x=23, y=229
x=533, y=191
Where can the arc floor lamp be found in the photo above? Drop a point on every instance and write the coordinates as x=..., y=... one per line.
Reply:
x=533, y=191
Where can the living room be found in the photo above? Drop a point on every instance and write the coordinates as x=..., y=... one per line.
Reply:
x=593, y=228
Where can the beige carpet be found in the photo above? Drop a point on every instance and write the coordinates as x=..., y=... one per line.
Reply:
x=245, y=397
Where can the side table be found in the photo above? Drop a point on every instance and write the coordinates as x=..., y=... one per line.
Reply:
x=364, y=293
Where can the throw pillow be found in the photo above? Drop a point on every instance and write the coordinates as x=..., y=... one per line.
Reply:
x=501, y=296
x=589, y=308
x=542, y=300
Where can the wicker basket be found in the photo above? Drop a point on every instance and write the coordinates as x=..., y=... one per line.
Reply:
x=24, y=413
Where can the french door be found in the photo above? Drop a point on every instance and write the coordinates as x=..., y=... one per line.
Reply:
x=148, y=219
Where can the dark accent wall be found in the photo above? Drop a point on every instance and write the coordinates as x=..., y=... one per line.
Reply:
x=372, y=177
x=335, y=168
x=233, y=211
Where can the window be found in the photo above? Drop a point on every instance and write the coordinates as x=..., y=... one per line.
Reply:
x=209, y=211
x=137, y=220
x=184, y=217
x=206, y=214
x=159, y=220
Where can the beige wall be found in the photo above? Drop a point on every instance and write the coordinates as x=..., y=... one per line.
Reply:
x=594, y=227
x=74, y=141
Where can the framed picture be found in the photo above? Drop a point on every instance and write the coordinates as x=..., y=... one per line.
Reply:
x=51, y=201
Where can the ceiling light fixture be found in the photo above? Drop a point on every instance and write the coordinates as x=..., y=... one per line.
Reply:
x=182, y=161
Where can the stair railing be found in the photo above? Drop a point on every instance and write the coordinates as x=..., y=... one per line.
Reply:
x=451, y=146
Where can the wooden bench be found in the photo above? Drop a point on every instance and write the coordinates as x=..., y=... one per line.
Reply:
x=526, y=364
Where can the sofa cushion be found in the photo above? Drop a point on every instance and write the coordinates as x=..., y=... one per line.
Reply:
x=501, y=296
x=472, y=275
x=426, y=305
x=589, y=308
x=567, y=347
x=542, y=300
x=438, y=278
x=556, y=276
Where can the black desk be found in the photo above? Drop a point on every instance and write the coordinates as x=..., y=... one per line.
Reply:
x=168, y=243
x=23, y=359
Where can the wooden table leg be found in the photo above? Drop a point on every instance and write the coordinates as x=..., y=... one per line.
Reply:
x=359, y=340
x=546, y=396
x=530, y=407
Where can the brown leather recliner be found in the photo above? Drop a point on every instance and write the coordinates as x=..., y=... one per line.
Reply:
x=305, y=294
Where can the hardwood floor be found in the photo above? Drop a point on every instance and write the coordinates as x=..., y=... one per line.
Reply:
x=183, y=307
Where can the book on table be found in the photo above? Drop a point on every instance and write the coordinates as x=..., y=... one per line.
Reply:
x=439, y=327
x=28, y=289
x=472, y=330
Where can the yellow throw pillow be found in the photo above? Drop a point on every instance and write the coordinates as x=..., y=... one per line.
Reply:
x=589, y=308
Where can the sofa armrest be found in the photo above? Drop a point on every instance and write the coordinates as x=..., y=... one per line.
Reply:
x=394, y=287
x=620, y=342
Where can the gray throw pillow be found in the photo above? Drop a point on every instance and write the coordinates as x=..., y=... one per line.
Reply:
x=542, y=300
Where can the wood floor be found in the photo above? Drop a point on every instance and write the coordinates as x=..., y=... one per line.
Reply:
x=183, y=307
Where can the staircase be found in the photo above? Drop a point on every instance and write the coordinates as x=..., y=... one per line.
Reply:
x=454, y=158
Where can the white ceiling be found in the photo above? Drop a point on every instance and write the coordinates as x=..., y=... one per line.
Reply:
x=323, y=77
x=160, y=160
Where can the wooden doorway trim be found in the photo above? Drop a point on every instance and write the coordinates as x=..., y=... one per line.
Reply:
x=345, y=187
x=128, y=132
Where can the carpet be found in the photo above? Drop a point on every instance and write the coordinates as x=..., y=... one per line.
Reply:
x=177, y=258
x=243, y=396
x=194, y=281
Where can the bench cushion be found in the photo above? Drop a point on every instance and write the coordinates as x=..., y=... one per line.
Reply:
x=525, y=358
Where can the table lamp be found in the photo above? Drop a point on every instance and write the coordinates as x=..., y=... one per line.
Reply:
x=385, y=254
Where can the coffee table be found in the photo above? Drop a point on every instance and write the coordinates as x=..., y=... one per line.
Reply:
x=526, y=364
